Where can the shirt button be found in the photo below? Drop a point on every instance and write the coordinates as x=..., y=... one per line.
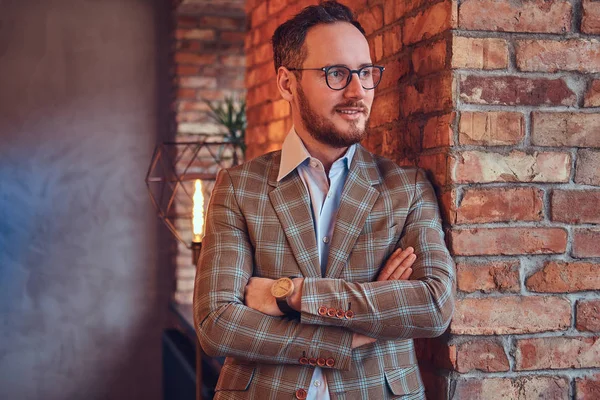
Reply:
x=325, y=239
x=317, y=383
x=313, y=164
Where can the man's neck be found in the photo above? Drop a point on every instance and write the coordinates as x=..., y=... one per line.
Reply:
x=322, y=152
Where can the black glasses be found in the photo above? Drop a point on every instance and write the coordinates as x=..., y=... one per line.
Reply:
x=339, y=76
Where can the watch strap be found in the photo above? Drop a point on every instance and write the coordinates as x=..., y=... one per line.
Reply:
x=285, y=308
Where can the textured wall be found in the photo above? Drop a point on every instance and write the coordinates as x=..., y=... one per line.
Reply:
x=83, y=287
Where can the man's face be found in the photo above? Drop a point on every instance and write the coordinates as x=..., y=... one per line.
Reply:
x=337, y=118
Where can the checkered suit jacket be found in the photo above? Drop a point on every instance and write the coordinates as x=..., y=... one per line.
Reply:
x=257, y=226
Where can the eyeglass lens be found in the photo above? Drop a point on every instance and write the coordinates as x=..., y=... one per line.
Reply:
x=338, y=77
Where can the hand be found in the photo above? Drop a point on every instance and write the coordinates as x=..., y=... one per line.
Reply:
x=257, y=295
x=398, y=266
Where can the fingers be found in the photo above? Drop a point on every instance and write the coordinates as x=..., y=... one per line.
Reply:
x=402, y=269
x=399, y=259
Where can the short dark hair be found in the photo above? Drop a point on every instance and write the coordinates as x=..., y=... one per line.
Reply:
x=288, y=39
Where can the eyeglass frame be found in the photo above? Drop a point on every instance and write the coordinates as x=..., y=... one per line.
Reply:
x=349, y=79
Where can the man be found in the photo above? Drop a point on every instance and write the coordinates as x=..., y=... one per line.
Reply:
x=302, y=278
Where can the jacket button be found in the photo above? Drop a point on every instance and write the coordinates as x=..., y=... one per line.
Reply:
x=303, y=360
x=331, y=312
x=301, y=394
x=321, y=362
x=330, y=362
x=312, y=361
x=349, y=314
x=340, y=313
x=323, y=310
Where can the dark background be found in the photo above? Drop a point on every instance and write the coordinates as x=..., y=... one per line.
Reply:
x=84, y=264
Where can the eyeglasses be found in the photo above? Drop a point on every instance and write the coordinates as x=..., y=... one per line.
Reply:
x=339, y=76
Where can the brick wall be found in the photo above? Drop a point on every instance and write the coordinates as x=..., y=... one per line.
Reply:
x=525, y=199
x=209, y=64
x=500, y=102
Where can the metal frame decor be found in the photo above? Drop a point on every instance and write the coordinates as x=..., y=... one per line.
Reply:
x=171, y=176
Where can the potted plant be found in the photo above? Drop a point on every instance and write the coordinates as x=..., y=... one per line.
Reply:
x=231, y=113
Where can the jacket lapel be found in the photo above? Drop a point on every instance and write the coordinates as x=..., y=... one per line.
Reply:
x=291, y=203
x=358, y=198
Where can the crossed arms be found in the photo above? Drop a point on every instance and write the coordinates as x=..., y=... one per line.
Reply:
x=385, y=309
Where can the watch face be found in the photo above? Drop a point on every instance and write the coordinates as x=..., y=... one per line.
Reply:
x=282, y=288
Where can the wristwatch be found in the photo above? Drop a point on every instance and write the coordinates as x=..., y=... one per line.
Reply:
x=282, y=289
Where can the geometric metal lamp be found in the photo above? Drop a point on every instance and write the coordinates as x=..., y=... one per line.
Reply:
x=180, y=176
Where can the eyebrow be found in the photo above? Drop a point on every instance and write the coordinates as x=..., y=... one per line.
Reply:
x=345, y=65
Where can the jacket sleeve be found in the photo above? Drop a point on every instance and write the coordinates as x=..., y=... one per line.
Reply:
x=419, y=307
x=224, y=325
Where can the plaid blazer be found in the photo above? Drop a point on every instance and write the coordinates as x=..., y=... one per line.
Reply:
x=257, y=226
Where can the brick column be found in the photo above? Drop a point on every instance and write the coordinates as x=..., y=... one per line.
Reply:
x=499, y=101
x=525, y=200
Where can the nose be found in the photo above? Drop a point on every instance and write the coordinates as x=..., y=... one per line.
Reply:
x=354, y=90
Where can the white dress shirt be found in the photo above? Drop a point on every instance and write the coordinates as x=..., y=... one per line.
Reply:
x=325, y=194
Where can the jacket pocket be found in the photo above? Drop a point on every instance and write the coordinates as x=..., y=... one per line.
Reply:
x=379, y=239
x=235, y=377
x=404, y=380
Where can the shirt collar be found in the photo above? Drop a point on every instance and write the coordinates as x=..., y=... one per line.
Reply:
x=294, y=153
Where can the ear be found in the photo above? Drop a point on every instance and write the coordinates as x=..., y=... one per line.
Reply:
x=285, y=80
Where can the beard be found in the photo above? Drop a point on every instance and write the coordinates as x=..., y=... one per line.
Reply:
x=325, y=131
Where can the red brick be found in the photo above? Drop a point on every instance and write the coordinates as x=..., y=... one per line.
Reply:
x=355, y=5
x=516, y=166
x=392, y=40
x=229, y=36
x=195, y=59
x=187, y=94
x=259, y=15
x=586, y=243
x=429, y=94
x=588, y=171
x=223, y=23
x=437, y=165
x=522, y=388
x=588, y=315
x=500, y=276
x=479, y=53
x=588, y=388
x=590, y=22
x=576, y=206
x=437, y=131
x=429, y=58
x=376, y=47
x=553, y=16
x=482, y=355
x=195, y=34
x=510, y=90
x=385, y=109
x=263, y=54
x=592, y=94
x=500, y=205
x=371, y=19
x=186, y=70
x=276, y=6
x=551, y=55
x=565, y=129
x=491, y=128
x=428, y=23
x=394, y=71
x=508, y=241
x=562, y=277
x=557, y=353
x=183, y=21
x=510, y=315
